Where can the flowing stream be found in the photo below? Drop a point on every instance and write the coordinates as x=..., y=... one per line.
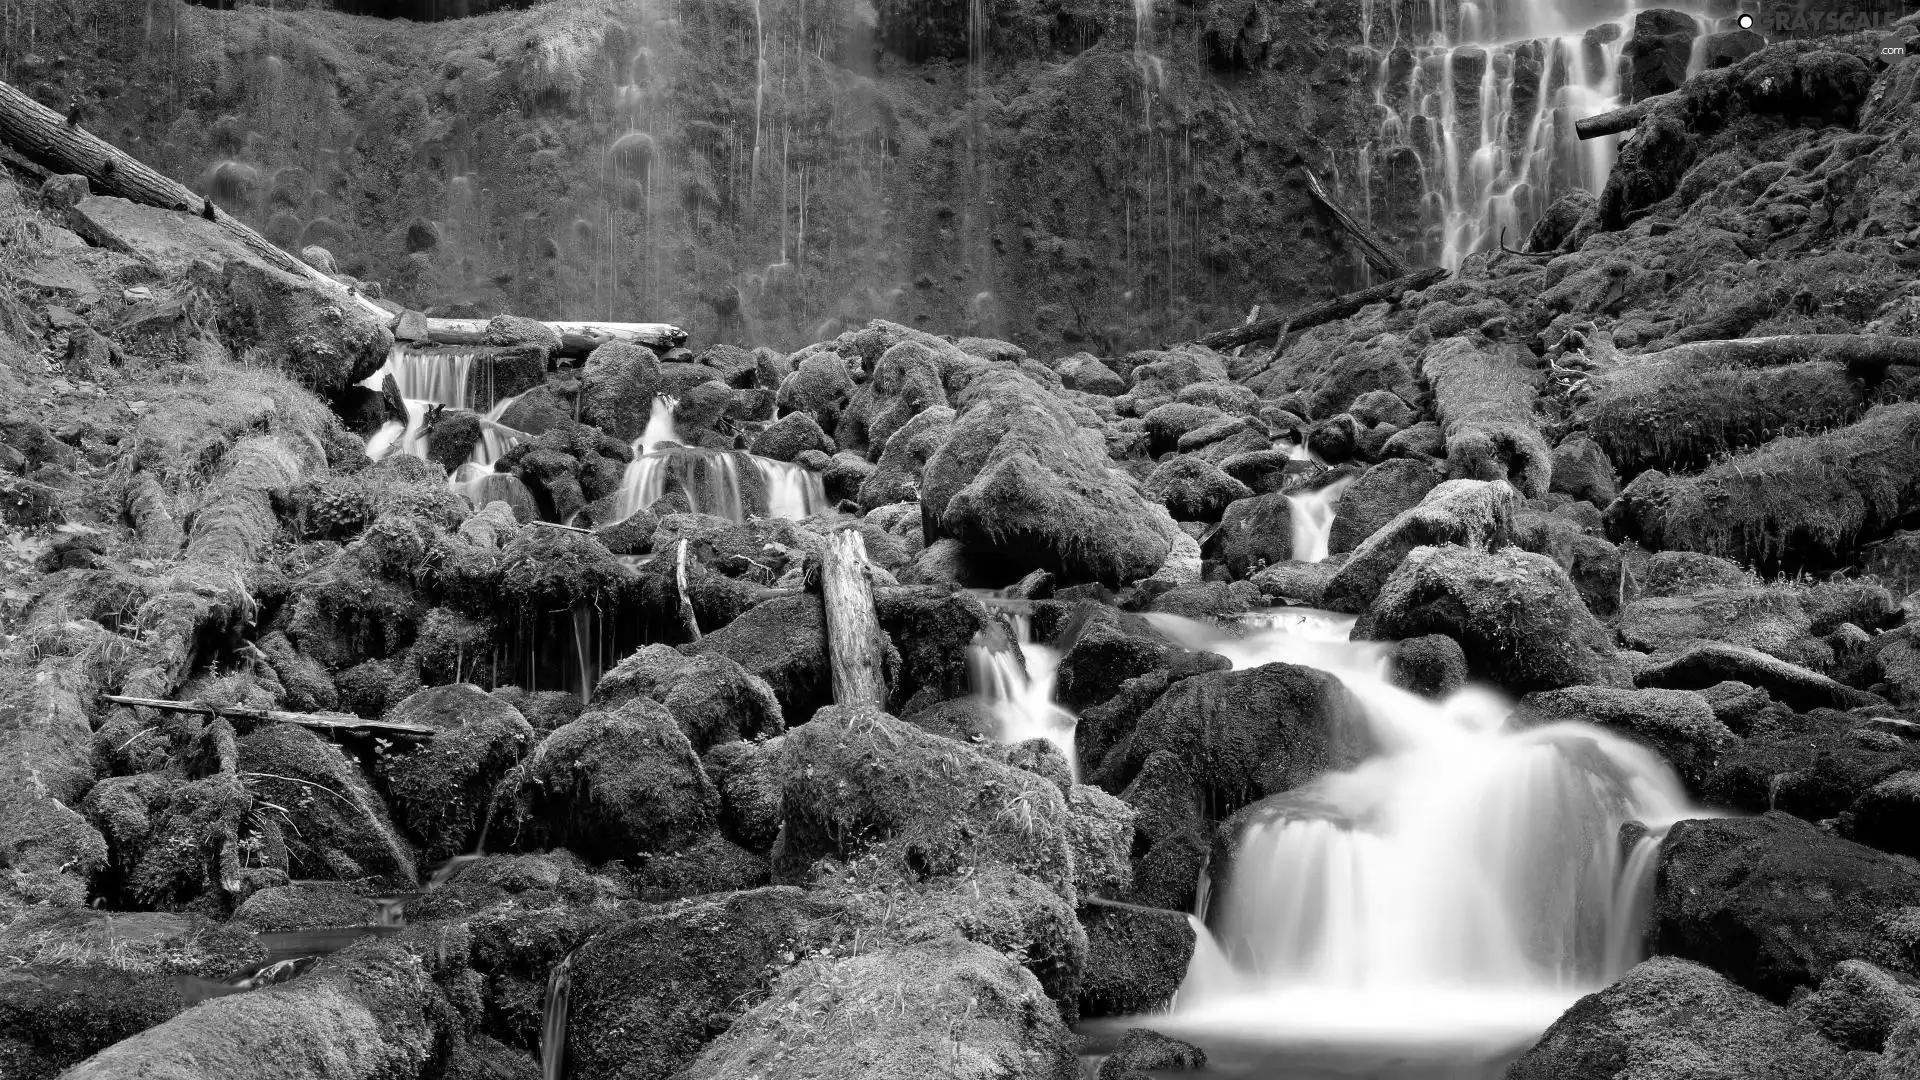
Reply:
x=1016, y=681
x=1453, y=893
x=710, y=478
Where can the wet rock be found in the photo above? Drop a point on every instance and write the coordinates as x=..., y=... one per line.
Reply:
x=1104, y=649
x=1581, y=469
x=1707, y=663
x=784, y=643
x=790, y=435
x=1669, y=1017
x=1432, y=665
x=747, y=776
x=649, y=995
x=1021, y=480
x=54, y=1017
x=1009, y=1027
x=1422, y=440
x=1657, y=52
x=1887, y=815
x=857, y=778
x=1470, y=512
x=618, y=784
x=1100, y=831
x=1169, y=423
x=1485, y=400
x=1141, y=1049
x=1136, y=958
x=819, y=386
x=1679, y=725
x=1381, y=494
x=441, y=792
x=1735, y=704
x=713, y=698
x=1193, y=489
x=1775, y=903
x=1254, y=533
x=1815, y=766
x=617, y=385
x=317, y=337
x=1771, y=621
x=1515, y=613
x=1084, y=372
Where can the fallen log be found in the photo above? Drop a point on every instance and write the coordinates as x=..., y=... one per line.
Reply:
x=1379, y=254
x=1618, y=120
x=576, y=338
x=856, y=645
x=43, y=137
x=689, y=621
x=1324, y=312
x=314, y=721
x=1859, y=353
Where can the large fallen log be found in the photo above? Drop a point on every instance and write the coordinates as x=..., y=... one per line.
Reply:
x=1618, y=120
x=1379, y=254
x=44, y=137
x=576, y=338
x=314, y=721
x=1324, y=312
x=855, y=643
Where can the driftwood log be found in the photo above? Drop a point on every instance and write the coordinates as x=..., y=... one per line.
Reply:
x=576, y=338
x=1379, y=254
x=1618, y=120
x=315, y=721
x=856, y=645
x=1324, y=312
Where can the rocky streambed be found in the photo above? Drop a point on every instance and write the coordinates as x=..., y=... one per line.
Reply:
x=486, y=751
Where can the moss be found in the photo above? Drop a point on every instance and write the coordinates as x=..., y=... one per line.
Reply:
x=1674, y=415
x=53, y=1019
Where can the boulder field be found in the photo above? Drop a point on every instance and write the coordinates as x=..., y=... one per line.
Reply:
x=555, y=776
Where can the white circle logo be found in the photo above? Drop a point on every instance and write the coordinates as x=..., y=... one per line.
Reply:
x=1746, y=21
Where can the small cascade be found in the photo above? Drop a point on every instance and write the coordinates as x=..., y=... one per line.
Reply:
x=395, y=437
x=553, y=1026
x=426, y=376
x=1464, y=884
x=494, y=441
x=1311, y=513
x=793, y=491
x=583, y=641
x=481, y=485
x=1017, y=684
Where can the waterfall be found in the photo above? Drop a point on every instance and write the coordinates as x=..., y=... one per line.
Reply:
x=710, y=478
x=553, y=1027
x=792, y=490
x=1465, y=884
x=494, y=439
x=410, y=437
x=1311, y=513
x=1482, y=98
x=1017, y=685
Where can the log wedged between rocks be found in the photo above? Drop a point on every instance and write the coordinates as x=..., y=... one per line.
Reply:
x=314, y=721
x=855, y=643
x=1379, y=254
x=1860, y=353
x=1326, y=311
x=1615, y=121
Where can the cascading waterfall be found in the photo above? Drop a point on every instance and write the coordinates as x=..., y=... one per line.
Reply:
x=1017, y=684
x=1463, y=885
x=427, y=380
x=1311, y=514
x=1480, y=99
x=553, y=1026
x=710, y=478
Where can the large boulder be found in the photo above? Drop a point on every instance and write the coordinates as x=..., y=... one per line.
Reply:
x=1194, y=489
x=790, y=436
x=1676, y=1020
x=1710, y=663
x=1515, y=613
x=441, y=792
x=617, y=388
x=1254, y=534
x=1136, y=959
x=1775, y=903
x=1380, y=495
x=1019, y=479
x=1772, y=620
x=1475, y=513
x=650, y=994
x=1817, y=766
x=713, y=698
x=617, y=785
x=950, y=1005
x=318, y=336
x=1859, y=1006
x=784, y=643
x=336, y=826
x=857, y=779
x=1678, y=724
x=897, y=474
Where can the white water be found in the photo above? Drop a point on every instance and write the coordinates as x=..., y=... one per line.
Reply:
x=1462, y=886
x=1017, y=685
x=1311, y=513
x=425, y=380
x=710, y=478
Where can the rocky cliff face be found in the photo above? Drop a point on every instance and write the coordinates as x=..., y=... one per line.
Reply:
x=1062, y=170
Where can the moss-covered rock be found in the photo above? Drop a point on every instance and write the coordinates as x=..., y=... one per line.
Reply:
x=747, y=775
x=713, y=698
x=1677, y=724
x=1136, y=959
x=784, y=643
x=52, y=1018
x=338, y=827
x=1381, y=494
x=1470, y=512
x=441, y=793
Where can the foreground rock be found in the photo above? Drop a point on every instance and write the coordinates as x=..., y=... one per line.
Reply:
x=1675, y=1020
x=947, y=1008
x=1677, y=724
x=1775, y=903
x=1472, y=513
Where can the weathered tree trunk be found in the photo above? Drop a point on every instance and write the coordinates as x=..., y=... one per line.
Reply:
x=688, y=620
x=43, y=137
x=152, y=522
x=576, y=338
x=855, y=643
x=1324, y=312
x=1861, y=353
x=1618, y=120
x=1379, y=254
x=315, y=721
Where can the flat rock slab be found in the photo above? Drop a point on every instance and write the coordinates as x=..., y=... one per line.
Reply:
x=1710, y=663
x=171, y=240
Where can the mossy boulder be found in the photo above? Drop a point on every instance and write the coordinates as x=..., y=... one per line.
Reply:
x=783, y=642
x=338, y=827
x=1381, y=494
x=1136, y=959
x=616, y=785
x=714, y=699
x=1677, y=724
x=441, y=792
x=1474, y=513
x=51, y=1018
